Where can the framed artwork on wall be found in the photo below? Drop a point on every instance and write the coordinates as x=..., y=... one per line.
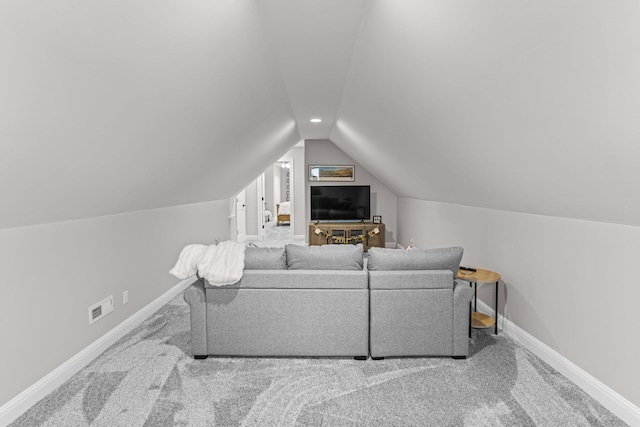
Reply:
x=331, y=173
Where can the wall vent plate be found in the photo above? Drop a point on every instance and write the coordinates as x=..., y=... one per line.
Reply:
x=101, y=309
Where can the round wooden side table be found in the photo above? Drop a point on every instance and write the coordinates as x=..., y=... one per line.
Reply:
x=481, y=320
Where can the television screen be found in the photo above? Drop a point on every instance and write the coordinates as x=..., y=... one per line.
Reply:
x=340, y=202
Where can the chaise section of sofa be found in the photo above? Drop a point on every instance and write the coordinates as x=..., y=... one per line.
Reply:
x=293, y=301
x=417, y=308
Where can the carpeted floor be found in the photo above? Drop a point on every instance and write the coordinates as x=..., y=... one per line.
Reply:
x=148, y=378
x=276, y=235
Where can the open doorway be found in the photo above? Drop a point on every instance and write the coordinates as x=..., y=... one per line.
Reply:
x=279, y=201
x=265, y=208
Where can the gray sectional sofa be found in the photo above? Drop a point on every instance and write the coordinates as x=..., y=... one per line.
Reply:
x=417, y=308
x=324, y=301
x=298, y=301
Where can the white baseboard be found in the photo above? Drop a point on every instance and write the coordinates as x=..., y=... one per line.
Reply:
x=611, y=400
x=607, y=397
x=19, y=404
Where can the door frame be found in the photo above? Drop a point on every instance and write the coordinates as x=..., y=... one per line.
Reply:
x=292, y=175
x=241, y=237
x=260, y=203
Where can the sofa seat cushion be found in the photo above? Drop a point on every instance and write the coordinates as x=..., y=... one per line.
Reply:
x=383, y=259
x=325, y=257
x=300, y=279
x=265, y=258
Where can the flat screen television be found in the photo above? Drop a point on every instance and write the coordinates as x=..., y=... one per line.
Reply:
x=340, y=202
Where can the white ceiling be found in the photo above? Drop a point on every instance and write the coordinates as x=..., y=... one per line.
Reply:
x=524, y=106
x=313, y=41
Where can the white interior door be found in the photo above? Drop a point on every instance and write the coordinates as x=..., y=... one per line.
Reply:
x=261, y=205
x=241, y=217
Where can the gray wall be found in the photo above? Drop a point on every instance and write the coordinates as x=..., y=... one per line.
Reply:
x=299, y=190
x=276, y=187
x=50, y=274
x=566, y=281
x=284, y=180
x=383, y=201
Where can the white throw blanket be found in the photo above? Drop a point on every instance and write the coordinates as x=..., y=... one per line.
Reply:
x=220, y=264
x=187, y=265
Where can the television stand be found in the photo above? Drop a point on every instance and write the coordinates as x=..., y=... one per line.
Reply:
x=341, y=233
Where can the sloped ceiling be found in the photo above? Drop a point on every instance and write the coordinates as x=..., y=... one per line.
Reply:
x=113, y=107
x=529, y=106
x=314, y=41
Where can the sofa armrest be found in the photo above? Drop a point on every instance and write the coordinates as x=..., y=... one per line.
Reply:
x=195, y=296
x=462, y=295
x=462, y=291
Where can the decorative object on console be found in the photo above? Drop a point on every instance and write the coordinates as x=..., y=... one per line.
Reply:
x=351, y=239
x=331, y=173
x=377, y=219
x=370, y=235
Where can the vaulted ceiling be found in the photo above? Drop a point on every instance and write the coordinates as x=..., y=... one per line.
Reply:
x=109, y=107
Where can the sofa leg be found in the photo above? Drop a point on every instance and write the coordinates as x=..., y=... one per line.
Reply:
x=200, y=356
x=377, y=358
x=360, y=357
x=459, y=357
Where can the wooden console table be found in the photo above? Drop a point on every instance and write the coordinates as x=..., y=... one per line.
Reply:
x=347, y=233
x=481, y=320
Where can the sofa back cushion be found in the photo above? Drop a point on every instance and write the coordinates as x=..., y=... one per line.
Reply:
x=265, y=259
x=383, y=259
x=325, y=257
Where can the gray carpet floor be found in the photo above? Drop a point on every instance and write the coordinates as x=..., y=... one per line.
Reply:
x=148, y=378
x=276, y=236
